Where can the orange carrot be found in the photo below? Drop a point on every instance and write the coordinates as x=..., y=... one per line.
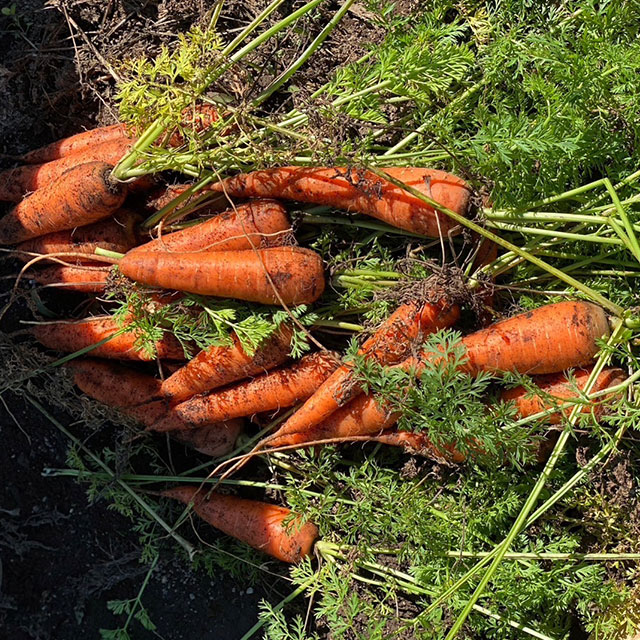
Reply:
x=258, y=524
x=556, y=388
x=75, y=144
x=390, y=344
x=83, y=195
x=418, y=444
x=551, y=338
x=213, y=440
x=83, y=278
x=69, y=337
x=261, y=223
x=115, y=234
x=217, y=366
x=296, y=273
x=199, y=118
x=15, y=183
x=269, y=392
x=361, y=192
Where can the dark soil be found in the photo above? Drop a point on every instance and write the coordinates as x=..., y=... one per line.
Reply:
x=62, y=558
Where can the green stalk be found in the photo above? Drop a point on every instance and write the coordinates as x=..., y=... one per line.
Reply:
x=586, y=557
x=251, y=27
x=170, y=530
x=567, y=235
x=99, y=251
x=460, y=219
x=634, y=247
x=305, y=55
x=521, y=520
x=148, y=137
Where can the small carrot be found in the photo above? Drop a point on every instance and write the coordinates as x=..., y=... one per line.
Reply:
x=390, y=344
x=69, y=337
x=556, y=388
x=418, y=444
x=75, y=144
x=292, y=275
x=360, y=191
x=114, y=234
x=258, y=524
x=82, y=278
x=213, y=440
x=15, y=183
x=83, y=195
x=221, y=365
x=269, y=392
x=259, y=224
x=199, y=118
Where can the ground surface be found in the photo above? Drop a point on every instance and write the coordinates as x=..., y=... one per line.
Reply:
x=61, y=558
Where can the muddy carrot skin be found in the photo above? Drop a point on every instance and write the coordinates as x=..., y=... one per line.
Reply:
x=296, y=273
x=82, y=278
x=114, y=234
x=213, y=440
x=556, y=388
x=257, y=224
x=69, y=337
x=258, y=524
x=83, y=195
x=218, y=366
x=269, y=392
x=418, y=444
x=390, y=344
x=75, y=144
x=360, y=191
x=15, y=183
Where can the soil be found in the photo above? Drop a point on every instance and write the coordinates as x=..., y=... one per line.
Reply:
x=63, y=558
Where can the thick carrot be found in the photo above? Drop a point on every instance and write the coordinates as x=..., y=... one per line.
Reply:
x=69, y=337
x=213, y=440
x=361, y=191
x=551, y=338
x=15, y=183
x=217, y=366
x=269, y=392
x=296, y=273
x=75, y=144
x=390, y=344
x=83, y=278
x=83, y=195
x=258, y=524
x=556, y=388
x=261, y=223
x=115, y=234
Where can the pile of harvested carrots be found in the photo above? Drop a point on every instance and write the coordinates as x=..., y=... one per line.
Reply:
x=68, y=205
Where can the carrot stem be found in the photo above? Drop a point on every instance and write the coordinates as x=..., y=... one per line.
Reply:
x=108, y=254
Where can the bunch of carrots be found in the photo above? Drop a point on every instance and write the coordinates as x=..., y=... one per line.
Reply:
x=68, y=206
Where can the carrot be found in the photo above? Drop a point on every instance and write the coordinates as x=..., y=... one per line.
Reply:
x=418, y=444
x=83, y=278
x=213, y=440
x=259, y=524
x=15, y=183
x=220, y=365
x=269, y=392
x=115, y=234
x=363, y=416
x=294, y=272
x=83, y=195
x=199, y=118
x=75, y=144
x=361, y=192
x=551, y=338
x=556, y=388
x=390, y=344
x=261, y=223
x=69, y=337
